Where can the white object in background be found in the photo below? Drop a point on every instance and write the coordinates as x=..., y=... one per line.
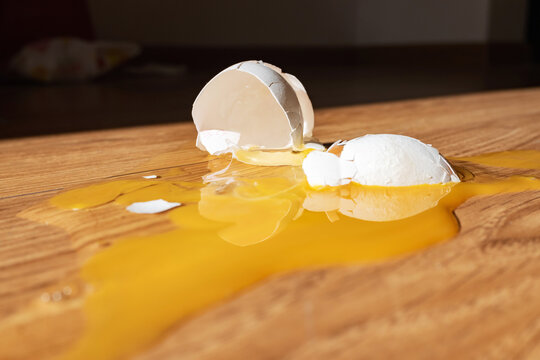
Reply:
x=150, y=176
x=266, y=107
x=70, y=59
x=381, y=159
x=152, y=206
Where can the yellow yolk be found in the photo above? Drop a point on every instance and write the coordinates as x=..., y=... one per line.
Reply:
x=234, y=231
x=271, y=158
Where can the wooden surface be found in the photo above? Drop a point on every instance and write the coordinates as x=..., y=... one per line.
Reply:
x=475, y=296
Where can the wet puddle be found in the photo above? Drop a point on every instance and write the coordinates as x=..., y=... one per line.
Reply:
x=243, y=223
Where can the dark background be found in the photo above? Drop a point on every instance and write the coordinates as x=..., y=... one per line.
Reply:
x=344, y=51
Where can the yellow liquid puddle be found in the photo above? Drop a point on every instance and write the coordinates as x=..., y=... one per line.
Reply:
x=271, y=158
x=518, y=159
x=239, y=226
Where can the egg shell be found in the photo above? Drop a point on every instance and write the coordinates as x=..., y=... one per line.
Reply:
x=381, y=159
x=269, y=109
x=152, y=206
x=327, y=169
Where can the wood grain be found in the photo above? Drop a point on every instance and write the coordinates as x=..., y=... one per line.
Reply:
x=476, y=296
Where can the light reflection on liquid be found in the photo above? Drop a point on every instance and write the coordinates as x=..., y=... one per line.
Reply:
x=242, y=224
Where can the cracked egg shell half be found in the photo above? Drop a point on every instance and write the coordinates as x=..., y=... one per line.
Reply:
x=378, y=159
x=252, y=105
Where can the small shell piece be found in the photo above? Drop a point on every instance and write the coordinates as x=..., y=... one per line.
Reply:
x=383, y=160
x=327, y=169
x=152, y=206
x=218, y=141
x=254, y=105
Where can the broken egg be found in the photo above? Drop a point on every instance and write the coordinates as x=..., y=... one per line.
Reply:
x=381, y=159
x=252, y=105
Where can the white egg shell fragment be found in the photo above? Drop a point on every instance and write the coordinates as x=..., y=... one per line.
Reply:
x=305, y=103
x=152, y=206
x=383, y=160
x=218, y=141
x=327, y=169
x=252, y=105
x=308, y=116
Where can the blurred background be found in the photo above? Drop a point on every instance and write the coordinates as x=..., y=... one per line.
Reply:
x=77, y=65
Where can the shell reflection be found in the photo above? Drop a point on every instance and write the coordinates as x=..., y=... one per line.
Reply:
x=377, y=203
x=280, y=195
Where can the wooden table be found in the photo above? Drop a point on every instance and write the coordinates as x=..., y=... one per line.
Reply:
x=477, y=295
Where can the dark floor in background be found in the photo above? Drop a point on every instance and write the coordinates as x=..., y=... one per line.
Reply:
x=124, y=99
